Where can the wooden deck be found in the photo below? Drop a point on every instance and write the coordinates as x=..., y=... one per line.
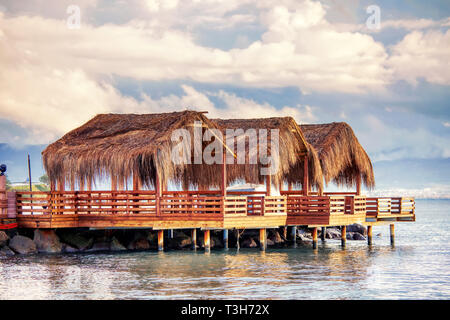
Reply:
x=203, y=209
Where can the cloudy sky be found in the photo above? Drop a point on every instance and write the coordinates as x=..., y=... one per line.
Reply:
x=62, y=62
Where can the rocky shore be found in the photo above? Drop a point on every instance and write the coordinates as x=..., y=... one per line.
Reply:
x=88, y=241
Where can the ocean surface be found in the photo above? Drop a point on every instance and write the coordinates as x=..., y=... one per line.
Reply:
x=418, y=267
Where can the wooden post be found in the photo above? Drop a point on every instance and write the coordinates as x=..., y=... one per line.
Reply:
x=323, y=234
x=268, y=185
x=157, y=193
x=392, y=233
x=262, y=239
x=237, y=239
x=225, y=239
x=224, y=173
x=314, y=237
x=285, y=233
x=358, y=185
x=294, y=235
x=3, y=198
x=12, y=206
x=194, y=239
x=369, y=235
x=305, y=176
x=207, y=240
x=160, y=240
x=343, y=236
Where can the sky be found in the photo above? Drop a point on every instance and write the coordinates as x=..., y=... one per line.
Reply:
x=387, y=75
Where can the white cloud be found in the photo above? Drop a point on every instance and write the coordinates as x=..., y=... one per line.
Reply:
x=422, y=55
x=300, y=48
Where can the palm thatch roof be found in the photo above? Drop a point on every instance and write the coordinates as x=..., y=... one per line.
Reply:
x=127, y=145
x=292, y=149
x=121, y=145
x=341, y=155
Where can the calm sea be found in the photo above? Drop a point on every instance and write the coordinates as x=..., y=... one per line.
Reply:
x=418, y=267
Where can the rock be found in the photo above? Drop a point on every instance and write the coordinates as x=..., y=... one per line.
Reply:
x=115, y=245
x=305, y=234
x=47, y=241
x=68, y=249
x=357, y=228
x=270, y=242
x=100, y=246
x=185, y=242
x=6, y=252
x=349, y=235
x=333, y=233
x=3, y=239
x=76, y=240
x=249, y=243
x=276, y=237
x=358, y=236
x=22, y=245
x=139, y=244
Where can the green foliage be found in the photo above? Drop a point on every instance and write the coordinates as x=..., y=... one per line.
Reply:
x=44, y=179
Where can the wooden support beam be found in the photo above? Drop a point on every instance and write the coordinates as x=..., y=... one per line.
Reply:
x=294, y=235
x=136, y=182
x=369, y=235
x=207, y=240
x=224, y=173
x=160, y=240
x=262, y=239
x=158, y=192
x=392, y=233
x=305, y=176
x=3, y=197
x=343, y=236
x=323, y=234
x=268, y=185
x=358, y=185
x=237, y=239
x=225, y=239
x=194, y=239
x=314, y=237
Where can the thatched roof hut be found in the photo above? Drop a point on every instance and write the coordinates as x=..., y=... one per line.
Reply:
x=342, y=157
x=139, y=145
x=292, y=150
x=123, y=145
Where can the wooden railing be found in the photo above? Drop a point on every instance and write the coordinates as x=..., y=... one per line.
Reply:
x=275, y=205
x=384, y=206
x=145, y=202
x=325, y=205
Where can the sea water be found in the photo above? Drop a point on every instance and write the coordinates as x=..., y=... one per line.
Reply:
x=417, y=267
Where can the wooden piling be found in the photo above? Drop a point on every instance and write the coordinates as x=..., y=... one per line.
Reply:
x=262, y=239
x=294, y=235
x=194, y=239
x=323, y=234
x=343, y=236
x=237, y=239
x=225, y=239
x=160, y=240
x=207, y=240
x=392, y=233
x=314, y=237
x=369, y=235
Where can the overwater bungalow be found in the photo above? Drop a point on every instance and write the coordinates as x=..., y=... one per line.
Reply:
x=172, y=170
